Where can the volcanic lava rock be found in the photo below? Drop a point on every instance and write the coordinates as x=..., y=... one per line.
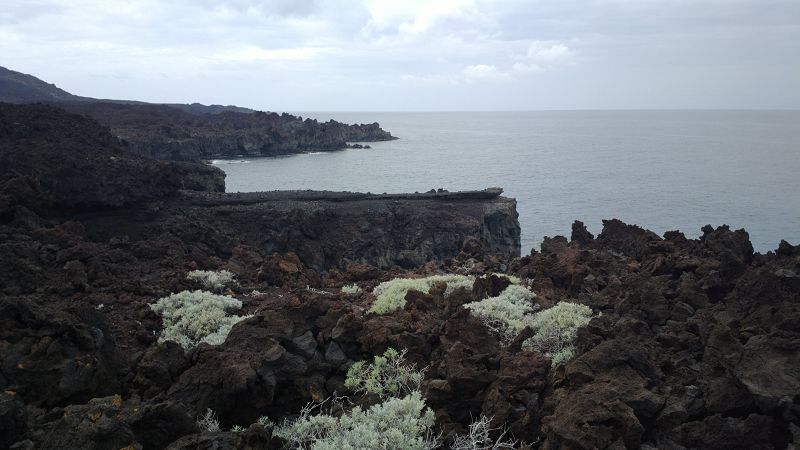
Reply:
x=53, y=160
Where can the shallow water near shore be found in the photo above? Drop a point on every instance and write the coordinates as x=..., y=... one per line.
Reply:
x=662, y=170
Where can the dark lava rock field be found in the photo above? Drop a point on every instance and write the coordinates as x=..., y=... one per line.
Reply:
x=695, y=342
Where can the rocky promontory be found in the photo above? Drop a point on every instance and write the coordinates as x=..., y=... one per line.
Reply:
x=691, y=343
x=165, y=132
x=193, y=132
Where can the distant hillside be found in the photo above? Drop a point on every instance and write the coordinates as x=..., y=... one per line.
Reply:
x=18, y=87
x=190, y=132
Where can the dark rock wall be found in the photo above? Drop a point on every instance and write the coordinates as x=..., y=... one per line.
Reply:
x=328, y=230
x=52, y=160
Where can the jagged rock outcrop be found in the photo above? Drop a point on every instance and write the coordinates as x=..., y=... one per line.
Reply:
x=696, y=346
x=52, y=160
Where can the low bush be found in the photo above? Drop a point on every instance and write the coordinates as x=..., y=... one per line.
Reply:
x=265, y=422
x=507, y=314
x=391, y=295
x=351, y=289
x=387, y=376
x=208, y=422
x=397, y=423
x=192, y=317
x=215, y=280
x=556, y=329
x=479, y=437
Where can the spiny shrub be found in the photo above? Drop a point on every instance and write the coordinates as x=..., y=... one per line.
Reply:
x=265, y=422
x=397, y=423
x=212, y=279
x=208, y=422
x=351, y=289
x=192, y=317
x=391, y=295
x=387, y=376
x=556, y=329
x=479, y=437
x=507, y=314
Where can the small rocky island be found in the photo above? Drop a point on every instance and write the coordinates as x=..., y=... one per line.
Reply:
x=661, y=341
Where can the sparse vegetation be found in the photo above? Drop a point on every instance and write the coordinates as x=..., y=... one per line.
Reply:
x=192, y=317
x=556, y=330
x=317, y=291
x=387, y=376
x=208, y=422
x=479, y=437
x=397, y=423
x=214, y=280
x=391, y=295
x=265, y=422
x=507, y=314
x=351, y=289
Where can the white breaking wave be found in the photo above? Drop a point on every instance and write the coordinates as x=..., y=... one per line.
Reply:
x=217, y=162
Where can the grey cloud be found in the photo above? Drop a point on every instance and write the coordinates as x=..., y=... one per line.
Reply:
x=448, y=54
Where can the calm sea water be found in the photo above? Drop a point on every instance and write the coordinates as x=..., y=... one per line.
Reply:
x=662, y=170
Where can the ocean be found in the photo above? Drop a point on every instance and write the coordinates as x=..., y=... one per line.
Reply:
x=661, y=170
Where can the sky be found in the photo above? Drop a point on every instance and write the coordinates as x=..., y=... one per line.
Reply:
x=410, y=55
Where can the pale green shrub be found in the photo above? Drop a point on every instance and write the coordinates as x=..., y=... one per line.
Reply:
x=556, y=329
x=387, y=376
x=479, y=437
x=265, y=422
x=237, y=429
x=351, y=289
x=212, y=279
x=507, y=314
x=192, y=317
x=397, y=423
x=391, y=295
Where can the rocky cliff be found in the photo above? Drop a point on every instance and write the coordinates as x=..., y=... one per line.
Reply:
x=328, y=230
x=63, y=166
x=190, y=132
x=164, y=132
x=53, y=160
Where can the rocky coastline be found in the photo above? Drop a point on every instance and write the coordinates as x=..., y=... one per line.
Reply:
x=694, y=343
x=194, y=132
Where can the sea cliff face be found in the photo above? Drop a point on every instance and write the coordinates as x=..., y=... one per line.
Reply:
x=165, y=132
x=328, y=229
x=61, y=165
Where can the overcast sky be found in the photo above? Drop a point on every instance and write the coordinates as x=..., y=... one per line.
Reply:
x=374, y=55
